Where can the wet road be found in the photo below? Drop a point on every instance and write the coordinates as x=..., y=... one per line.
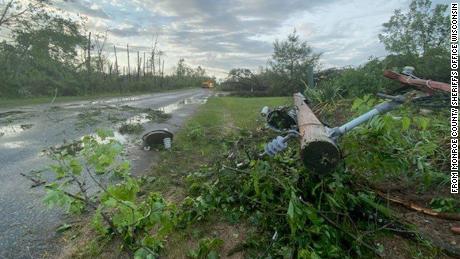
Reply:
x=27, y=227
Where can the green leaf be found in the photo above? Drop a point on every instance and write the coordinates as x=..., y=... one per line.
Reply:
x=405, y=123
x=76, y=167
x=64, y=227
x=103, y=134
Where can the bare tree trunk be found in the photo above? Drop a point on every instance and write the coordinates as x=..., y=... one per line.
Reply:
x=3, y=18
x=153, y=62
x=143, y=69
x=88, y=64
x=154, y=47
x=7, y=17
x=138, y=66
x=116, y=60
x=129, y=68
x=159, y=63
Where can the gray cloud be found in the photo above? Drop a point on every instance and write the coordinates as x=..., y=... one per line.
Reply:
x=84, y=8
x=224, y=34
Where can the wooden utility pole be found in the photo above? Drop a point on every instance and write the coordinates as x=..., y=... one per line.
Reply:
x=318, y=151
x=129, y=67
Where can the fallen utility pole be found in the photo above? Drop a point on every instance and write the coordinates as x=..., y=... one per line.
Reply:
x=318, y=143
x=318, y=150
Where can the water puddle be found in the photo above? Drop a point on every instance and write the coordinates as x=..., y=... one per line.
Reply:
x=10, y=113
x=138, y=119
x=14, y=144
x=14, y=129
x=168, y=109
x=77, y=145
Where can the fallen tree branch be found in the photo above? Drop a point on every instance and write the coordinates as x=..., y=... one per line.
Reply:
x=412, y=206
x=36, y=182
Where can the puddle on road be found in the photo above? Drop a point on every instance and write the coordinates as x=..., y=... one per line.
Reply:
x=168, y=109
x=77, y=145
x=138, y=119
x=10, y=113
x=14, y=129
x=14, y=144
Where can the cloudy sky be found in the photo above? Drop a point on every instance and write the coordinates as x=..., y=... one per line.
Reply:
x=220, y=35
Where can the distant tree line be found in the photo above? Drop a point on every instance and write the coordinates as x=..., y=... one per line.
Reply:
x=418, y=37
x=46, y=54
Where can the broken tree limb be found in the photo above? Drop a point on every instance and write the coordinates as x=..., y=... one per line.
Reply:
x=412, y=206
x=36, y=182
x=318, y=151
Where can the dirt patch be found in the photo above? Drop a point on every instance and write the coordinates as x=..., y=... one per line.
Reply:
x=434, y=229
x=396, y=247
x=81, y=242
x=233, y=236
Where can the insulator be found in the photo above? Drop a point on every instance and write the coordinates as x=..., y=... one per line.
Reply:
x=167, y=143
x=275, y=146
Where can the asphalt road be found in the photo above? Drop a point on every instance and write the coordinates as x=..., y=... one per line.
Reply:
x=27, y=227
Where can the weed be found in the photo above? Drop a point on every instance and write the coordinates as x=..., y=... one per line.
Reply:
x=156, y=115
x=207, y=248
x=88, y=118
x=26, y=126
x=117, y=210
x=445, y=205
x=131, y=128
x=407, y=146
x=114, y=118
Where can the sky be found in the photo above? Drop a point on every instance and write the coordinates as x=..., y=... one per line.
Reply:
x=219, y=35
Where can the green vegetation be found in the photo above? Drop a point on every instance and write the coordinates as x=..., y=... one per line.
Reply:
x=131, y=128
x=118, y=210
x=206, y=249
x=418, y=38
x=214, y=182
x=278, y=207
x=48, y=54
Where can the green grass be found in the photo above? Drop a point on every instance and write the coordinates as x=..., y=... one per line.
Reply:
x=193, y=145
x=197, y=144
x=222, y=115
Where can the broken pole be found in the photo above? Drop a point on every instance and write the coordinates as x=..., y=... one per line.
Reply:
x=318, y=151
